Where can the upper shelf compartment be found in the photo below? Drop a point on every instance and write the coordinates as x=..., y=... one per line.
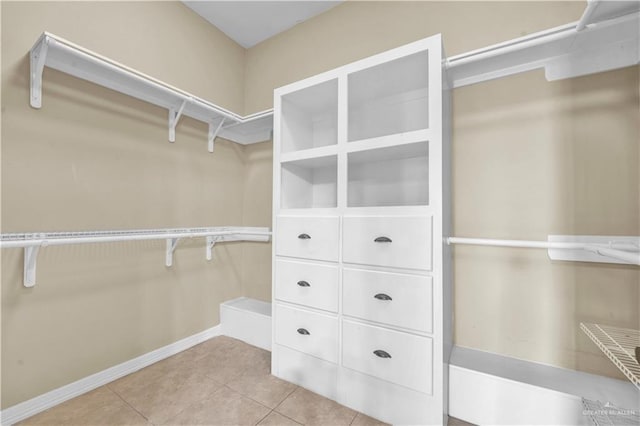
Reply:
x=62, y=55
x=310, y=117
x=389, y=98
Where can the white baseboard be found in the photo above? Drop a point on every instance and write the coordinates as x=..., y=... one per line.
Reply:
x=248, y=320
x=57, y=396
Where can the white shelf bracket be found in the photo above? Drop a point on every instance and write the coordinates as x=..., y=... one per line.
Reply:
x=597, y=248
x=30, y=257
x=172, y=243
x=174, y=118
x=37, y=59
x=211, y=241
x=213, y=133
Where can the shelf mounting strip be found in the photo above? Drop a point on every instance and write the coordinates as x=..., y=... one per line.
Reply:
x=32, y=242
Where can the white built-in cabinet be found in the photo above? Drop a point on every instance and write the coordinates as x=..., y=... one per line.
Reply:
x=361, y=282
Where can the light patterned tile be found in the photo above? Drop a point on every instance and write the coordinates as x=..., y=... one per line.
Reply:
x=362, y=420
x=262, y=387
x=227, y=365
x=275, y=419
x=224, y=407
x=187, y=388
x=98, y=407
x=138, y=380
x=219, y=344
x=167, y=396
x=309, y=408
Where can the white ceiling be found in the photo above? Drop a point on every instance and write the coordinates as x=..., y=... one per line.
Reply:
x=250, y=22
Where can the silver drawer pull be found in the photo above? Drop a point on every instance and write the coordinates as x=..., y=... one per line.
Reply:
x=382, y=296
x=303, y=331
x=382, y=240
x=304, y=236
x=382, y=354
x=304, y=284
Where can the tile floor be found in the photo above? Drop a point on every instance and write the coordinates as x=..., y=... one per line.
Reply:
x=220, y=382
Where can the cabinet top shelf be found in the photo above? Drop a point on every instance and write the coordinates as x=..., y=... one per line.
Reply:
x=60, y=54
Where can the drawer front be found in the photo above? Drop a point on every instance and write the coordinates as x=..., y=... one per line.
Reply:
x=401, y=242
x=396, y=299
x=307, y=284
x=307, y=332
x=308, y=237
x=400, y=358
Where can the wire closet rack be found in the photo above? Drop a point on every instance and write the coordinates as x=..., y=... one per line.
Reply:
x=32, y=242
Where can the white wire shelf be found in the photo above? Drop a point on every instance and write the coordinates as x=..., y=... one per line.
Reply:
x=32, y=242
x=60, y=54
x=619, y=345
x=609, y=415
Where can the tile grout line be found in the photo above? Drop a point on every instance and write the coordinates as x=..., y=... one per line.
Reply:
x=248, y=397
x=265, y=416
x=192, y=402
x=255, y=400
x=285, y=416
x=127, y=402
x=283, y=400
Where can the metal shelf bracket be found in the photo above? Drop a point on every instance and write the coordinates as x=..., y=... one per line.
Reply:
x=37, y=59
x=174, y=118
x=172, y=243
x=211, y=241
x=30, y=257
x=213, y=133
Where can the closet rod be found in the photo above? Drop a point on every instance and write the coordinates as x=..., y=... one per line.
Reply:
x=627, y=252
x=537, y=244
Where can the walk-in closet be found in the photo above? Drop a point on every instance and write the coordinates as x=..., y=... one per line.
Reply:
x=320, y=213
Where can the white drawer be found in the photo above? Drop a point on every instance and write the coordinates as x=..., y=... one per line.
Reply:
x=307, y=284
x=396, y=299
x=308, y=332
x=401, y=242
x=308, y=237
x=397, y=357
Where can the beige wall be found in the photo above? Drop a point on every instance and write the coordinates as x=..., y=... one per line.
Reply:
x=530, y=158
x=357, y=29
x=95, y=159
x=256, y=274
x=533, y=158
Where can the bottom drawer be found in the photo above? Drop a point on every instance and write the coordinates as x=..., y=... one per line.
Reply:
x=308, y=332
x=397, y=357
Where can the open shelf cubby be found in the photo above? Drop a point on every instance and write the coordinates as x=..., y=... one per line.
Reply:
x=309, y=183
x=389, y=98
x=310, y=117
x=392, y=176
